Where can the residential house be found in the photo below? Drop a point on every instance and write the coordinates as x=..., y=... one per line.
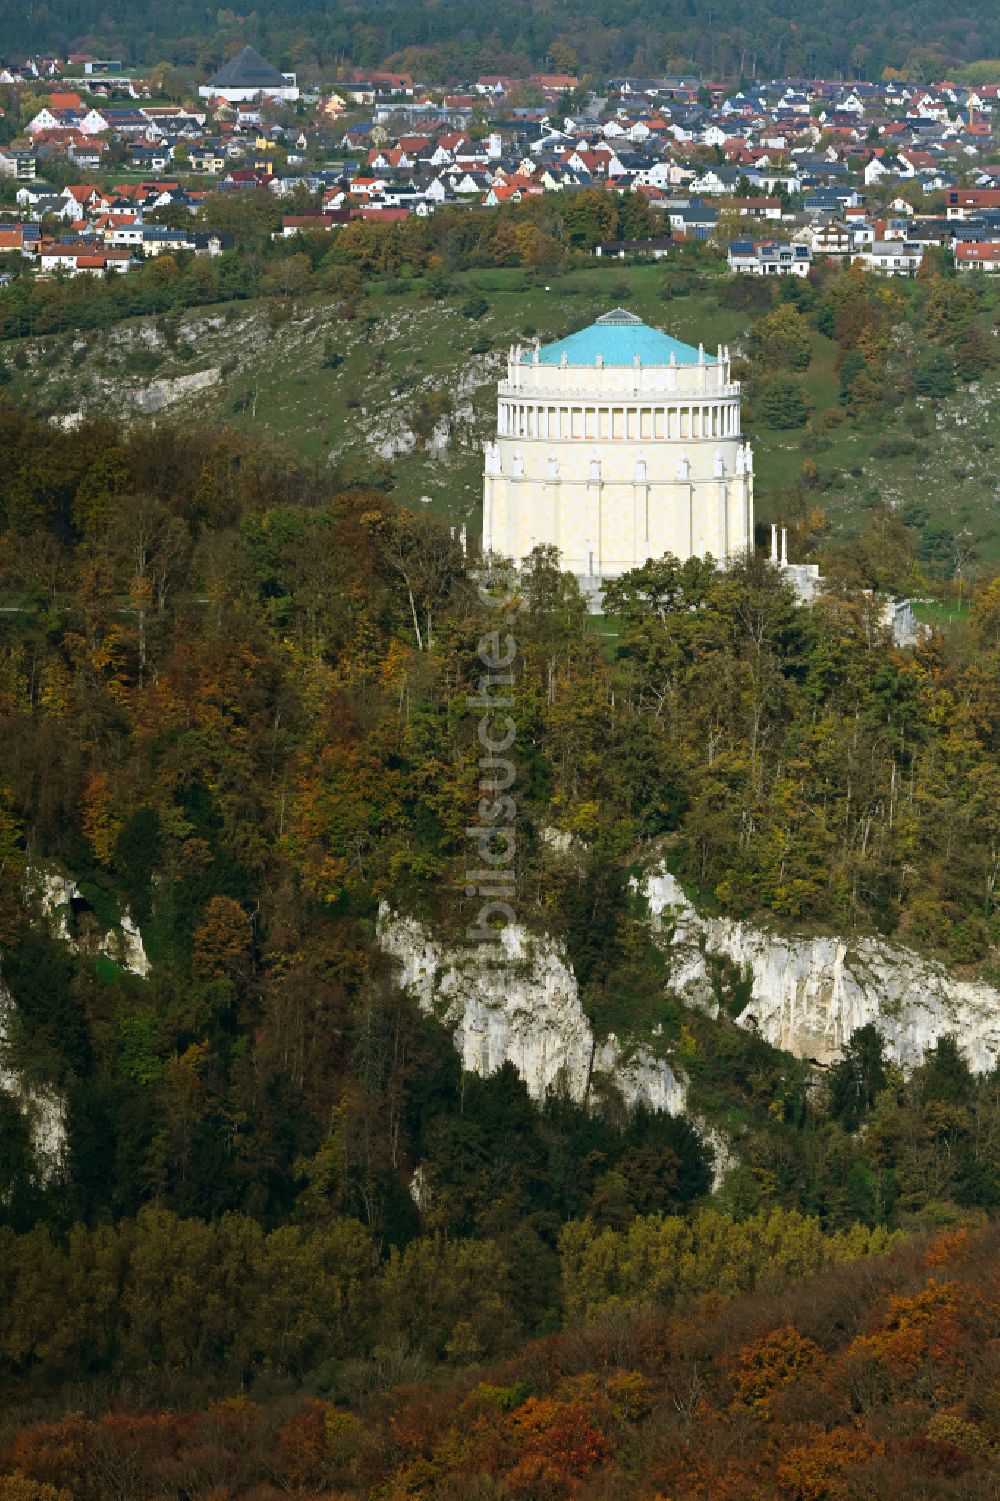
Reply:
x=694, y=220
x=893, y=258
x=312, y=222
x=960, y=203
x=756, y=208
x=212, y=242
x=80, y=258
x=829, y=238
x=655, y=248
x=769, y=258
x=207, y=159
x=984, y=256
x=160, y=239
x=21, y=165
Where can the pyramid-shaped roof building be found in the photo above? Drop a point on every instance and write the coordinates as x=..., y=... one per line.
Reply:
x=247, y=75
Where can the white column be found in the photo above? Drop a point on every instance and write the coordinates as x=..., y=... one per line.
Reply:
x=724, y=505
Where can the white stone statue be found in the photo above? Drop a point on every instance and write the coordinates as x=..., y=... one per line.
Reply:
x=552, y=469
x=595, y=469
x=719, y=467
x=518, y=463
x=640, y=470
x=683, y=467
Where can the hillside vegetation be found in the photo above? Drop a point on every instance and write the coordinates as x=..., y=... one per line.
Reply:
x=878, y=1378
x=231, y=702
x=395, y=384
x=234, y=684
x=449, y=41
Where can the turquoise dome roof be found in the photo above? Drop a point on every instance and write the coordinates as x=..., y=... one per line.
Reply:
x=617, y=337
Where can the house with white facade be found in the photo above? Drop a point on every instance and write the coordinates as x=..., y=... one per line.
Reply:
x=769, y=258
x=893, y=258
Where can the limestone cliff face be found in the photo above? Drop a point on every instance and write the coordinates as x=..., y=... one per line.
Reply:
x=43, y=1109
x=807, y=995
x=56, y=893
x=536, y=1022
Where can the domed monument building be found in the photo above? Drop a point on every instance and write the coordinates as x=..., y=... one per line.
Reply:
x=615, y=445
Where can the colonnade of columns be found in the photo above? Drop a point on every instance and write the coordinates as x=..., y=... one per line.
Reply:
x=690, y=419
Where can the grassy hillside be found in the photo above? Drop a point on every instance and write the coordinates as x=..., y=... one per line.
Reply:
x=401, y=388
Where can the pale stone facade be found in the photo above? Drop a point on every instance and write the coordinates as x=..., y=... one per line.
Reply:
x=616, y=445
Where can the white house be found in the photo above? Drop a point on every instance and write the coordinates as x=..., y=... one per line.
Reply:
x=980, y=256
x=94, y=123
x=46, y=120
x=893, y=258
x=832, y=238
x=709, y=182
x=769, y=258
x=82, y=260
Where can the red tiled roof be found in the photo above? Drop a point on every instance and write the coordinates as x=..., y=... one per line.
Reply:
x=986, y=250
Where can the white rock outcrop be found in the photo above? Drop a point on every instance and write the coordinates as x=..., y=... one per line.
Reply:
x=534, y=1020
x=809, y=994
x=43, y=1109
x=169, y=390
x=55, y=894
x=806, y=995
x=127, y=948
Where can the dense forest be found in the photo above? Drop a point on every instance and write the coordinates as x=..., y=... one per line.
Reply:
x=877, y=1379
x=438, y=42
x=233, y=703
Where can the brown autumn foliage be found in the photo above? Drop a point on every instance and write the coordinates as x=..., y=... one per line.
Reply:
x=880, y=1379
